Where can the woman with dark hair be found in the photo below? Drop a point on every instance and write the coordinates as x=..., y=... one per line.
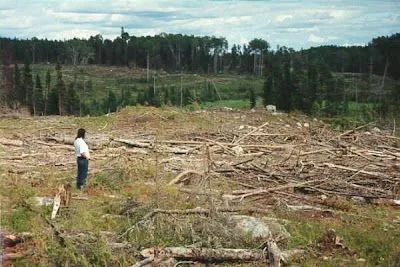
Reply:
x=83, y=156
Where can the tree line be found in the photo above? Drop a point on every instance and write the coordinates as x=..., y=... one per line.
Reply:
x=311, y=80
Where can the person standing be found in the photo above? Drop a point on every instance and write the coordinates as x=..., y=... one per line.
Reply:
x=83, y=156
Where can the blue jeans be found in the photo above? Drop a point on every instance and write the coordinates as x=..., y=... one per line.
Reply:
x=83, y=166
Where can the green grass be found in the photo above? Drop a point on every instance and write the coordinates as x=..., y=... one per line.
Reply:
x=115, y=79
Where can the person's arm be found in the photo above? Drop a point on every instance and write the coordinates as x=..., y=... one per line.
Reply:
x=86, y=155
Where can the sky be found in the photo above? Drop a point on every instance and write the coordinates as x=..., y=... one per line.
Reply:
x=292, y=23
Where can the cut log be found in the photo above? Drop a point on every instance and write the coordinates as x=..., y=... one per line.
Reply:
x=133, y=143
x=205, y=254
x=373, y=174
x=10, y=142
x=215, y=255
x=179, y=177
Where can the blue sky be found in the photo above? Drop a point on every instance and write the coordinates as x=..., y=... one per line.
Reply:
x=297, y=24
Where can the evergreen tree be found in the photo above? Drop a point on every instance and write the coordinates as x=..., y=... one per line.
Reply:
x=72, y=100
x=252, y=98
x=18, y=86
x=38, y=97
x=46, y=92
x=141, y=98
x=27, y=84
x=269, y=96
x=111, y=103
x=61, y=91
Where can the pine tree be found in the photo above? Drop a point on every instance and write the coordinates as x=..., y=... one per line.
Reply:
x=141, y=99
x=38, y=97
x=28, y=85
x=18, y=87
x=72, y=100
x=61, y=91
x=111, y=102
x=252, y=98
x=47, y=92
x=269, y=96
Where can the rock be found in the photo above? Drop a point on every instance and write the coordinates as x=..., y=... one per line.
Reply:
x=306, y=124
x=376, y=129
x=287, y=126
x=241, y=127
x=258, y=228
x=315, y=119
x=298, y=125
x=238, y=150
x=43, y=201
x=358, y=200
x=367, y=133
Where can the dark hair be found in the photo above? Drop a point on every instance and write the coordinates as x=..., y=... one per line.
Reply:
x=81, y=133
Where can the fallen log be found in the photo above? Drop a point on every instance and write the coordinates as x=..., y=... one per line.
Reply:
x=179, y=177
x=373, y=174
x=11, y=142
x=254, y=192
x=214, y=255
x=133, y=143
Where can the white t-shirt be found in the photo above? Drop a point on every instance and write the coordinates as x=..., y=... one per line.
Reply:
x=80, y=147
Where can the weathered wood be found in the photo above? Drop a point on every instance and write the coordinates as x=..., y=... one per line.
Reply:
x=274, y=254
x=205, y=254
x=10, y=142
x=143, y=262
x=133, y=143
x=260, y=191
x=251, y=132
x=179, y=177
x=217, y=255
x=373, y=174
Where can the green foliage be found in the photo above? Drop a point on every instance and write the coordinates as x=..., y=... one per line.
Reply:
x=21, y=220
x=18, y=86
x=252, y=98
x=27, y=91
x=38, y=97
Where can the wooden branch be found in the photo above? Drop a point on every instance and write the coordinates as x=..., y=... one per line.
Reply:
x=248, y=193
x=178, y=178
x=373, y=174
x=274, y=254
x=143, y=262
x=353, y=130
x=250, y=133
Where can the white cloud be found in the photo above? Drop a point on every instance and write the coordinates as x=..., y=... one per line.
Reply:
x=285, y=22
x=282, y=18
x=315, y=39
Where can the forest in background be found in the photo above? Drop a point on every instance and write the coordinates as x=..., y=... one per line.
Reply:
x=323, y=81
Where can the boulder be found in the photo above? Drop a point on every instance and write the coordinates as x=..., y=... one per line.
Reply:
x=258, y=228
